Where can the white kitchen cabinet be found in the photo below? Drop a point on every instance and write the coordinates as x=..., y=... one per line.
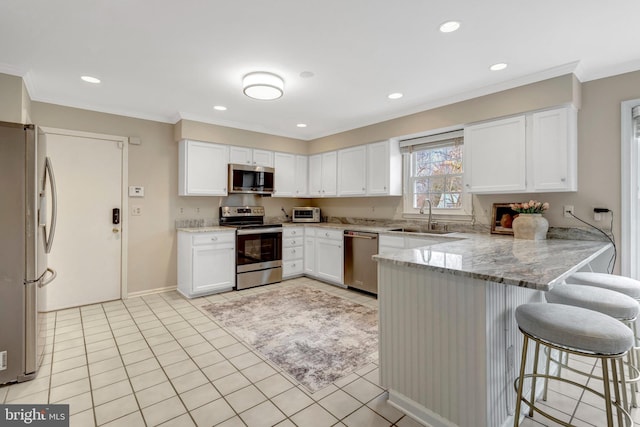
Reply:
x=554, y=150
x=292, y=251
x=390, y=244
x=323, y=174
x=352, y=171
x=310, y=251
x=202, y=169
x=495, y=156
x=206, y=262
x=384, y=169
x=290, y=175
x=251, y=156
x=329, y=256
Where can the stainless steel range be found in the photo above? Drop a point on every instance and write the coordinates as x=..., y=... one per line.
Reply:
x=258, y=246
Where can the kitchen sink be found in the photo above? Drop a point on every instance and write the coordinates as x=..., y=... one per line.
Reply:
x=419, y=230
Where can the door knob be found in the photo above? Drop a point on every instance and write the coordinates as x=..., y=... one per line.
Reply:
x=115, y=230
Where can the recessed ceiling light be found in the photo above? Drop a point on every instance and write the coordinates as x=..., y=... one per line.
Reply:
x=220, y=108
x=449, y=26
x=499, y=66
x=90, y=79
x=263, y=86
x=302, y=125
x=395, y=95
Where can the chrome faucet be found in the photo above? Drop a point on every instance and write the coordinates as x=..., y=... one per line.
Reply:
x=426, y=200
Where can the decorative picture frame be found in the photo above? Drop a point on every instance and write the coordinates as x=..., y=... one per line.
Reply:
x=500, y=222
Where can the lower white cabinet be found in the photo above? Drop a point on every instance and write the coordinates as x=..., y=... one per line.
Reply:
x=329, y=255
x=310, y=251
x=206, y=262
x=292, y=251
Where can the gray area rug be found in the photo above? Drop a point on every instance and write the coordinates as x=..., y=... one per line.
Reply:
x=313, y=335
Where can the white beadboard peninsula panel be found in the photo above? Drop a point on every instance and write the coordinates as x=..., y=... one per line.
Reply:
x=445, y=343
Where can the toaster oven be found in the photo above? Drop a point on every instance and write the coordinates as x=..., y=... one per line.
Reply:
x=305, y=214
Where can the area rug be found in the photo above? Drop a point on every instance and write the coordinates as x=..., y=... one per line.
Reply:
x=313, y=335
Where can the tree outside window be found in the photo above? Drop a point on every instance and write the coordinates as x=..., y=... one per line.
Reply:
x=436, y=174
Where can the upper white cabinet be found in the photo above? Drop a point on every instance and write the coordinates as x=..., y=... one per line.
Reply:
x=352, y=171
x=536, y=152
x=202, y=169
x=495, y=156
x=290, y=175
x=250, y=156
x=554, y=150
x=384, y=169
x=323, y=174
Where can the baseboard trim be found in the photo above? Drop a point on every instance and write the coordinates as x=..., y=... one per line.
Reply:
x=151, y=291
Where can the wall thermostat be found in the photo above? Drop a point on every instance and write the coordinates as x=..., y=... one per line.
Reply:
x=135, y=191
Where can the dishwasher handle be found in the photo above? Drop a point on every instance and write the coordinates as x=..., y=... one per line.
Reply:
x=356, y=235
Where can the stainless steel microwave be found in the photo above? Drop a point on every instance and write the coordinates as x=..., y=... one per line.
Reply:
x=250, y=179
x=305, y=214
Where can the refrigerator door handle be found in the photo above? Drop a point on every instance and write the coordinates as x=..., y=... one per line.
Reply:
x=50, y=279
x=54, y=206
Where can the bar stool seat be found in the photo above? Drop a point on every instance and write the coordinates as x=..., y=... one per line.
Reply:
x=579, y=331
x=615, y=304
x=624, y=285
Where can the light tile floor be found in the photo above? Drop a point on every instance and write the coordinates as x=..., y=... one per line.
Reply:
x=161, y=360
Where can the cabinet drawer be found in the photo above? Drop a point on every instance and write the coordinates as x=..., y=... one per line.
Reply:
x=292, y=232
x=209, y=238
x=293, y=241
x=331, y=234
x=310, y=231
x=392, y=241
x=292, y=268
x=292, y=253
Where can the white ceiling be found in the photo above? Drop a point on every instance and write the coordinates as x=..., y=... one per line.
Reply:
x=166, y=59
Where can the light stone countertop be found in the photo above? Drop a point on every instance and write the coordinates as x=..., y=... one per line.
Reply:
x=534, y=264
x=205, y=229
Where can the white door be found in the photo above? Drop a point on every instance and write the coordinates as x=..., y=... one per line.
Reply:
x=87, y=253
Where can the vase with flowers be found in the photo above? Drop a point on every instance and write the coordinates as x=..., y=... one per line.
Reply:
x=529, y=223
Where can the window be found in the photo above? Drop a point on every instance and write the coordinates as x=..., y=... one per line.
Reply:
x=434, y=171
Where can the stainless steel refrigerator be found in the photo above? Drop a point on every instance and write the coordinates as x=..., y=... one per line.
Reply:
x=27, y=226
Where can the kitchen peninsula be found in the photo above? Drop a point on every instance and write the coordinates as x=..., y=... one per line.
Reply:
x=449, y=344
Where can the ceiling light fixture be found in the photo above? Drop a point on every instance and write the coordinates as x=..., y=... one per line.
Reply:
x=499, y=66
x=220, y=107
x=395, y=95
x=263, y=86
x=449, y=26
x=90, y=79
x=302, y=125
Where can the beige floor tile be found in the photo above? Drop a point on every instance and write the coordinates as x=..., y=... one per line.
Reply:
x=64, y=345
x=100, y=355
x=165, y=347
x=365, y=417
x=128, y=334
x=109, y=377
x=232, y=422
x=363, y=390
x=320, y=394
x=233, y=350
x=274, y=385
x=292, y=401
x=245, y=360
x=133, y=346
x=79, y=403
x=264, y=415
x=69, y=376
x=69, y=390
x=82, y=419
x=314, y=416
x=190, y=340
x=115, y=409
x=98, y=337
x=142, y=367
x=286, y=423
x=163, y=411
x=105, y=365
x=199, y=349
x=155, y=394
x=181, y=368
x=111, y=392
x=219, y=370
x=259, y=371
x=183, y=420
x=101, y=345
x=223, y=341
x=172, y=357
x=212, y=413
x=159, y=339
x=67, y=364
x=60, y=355
x=346, y=380
x=199, y=396
x=134, y=419
x=208, y=359
x=340, y=404
x=231, y=383
x=381, y=406
x=189, y=381
x=148, y=379
x=41, y=397
x=137, y=356
x=245, y=398
x=407, y=421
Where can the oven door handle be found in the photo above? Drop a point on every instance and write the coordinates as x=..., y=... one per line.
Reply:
x=259, y=231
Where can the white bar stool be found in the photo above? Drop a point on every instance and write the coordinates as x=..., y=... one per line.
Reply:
x=578, y=331
x=615, y=304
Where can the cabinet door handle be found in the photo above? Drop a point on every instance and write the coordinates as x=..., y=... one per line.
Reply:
x=214, y=238
x=362, y=188
x=563, y=179
x=293, y=251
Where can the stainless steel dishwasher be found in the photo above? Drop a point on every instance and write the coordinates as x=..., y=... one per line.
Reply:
x=360, y=271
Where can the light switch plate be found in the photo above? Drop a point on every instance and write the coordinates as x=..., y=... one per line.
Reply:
x=136, y=191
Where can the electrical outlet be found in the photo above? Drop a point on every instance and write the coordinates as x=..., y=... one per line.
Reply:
x=567, y=211
x=136, y=210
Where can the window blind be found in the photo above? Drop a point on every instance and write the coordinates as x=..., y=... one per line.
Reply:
x=432, y=141
x=635, y=112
